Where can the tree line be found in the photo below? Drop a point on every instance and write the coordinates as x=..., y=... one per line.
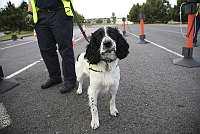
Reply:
x=17, y=18
x=157, y=11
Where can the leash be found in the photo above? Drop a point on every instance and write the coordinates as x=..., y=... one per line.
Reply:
x=78, y=23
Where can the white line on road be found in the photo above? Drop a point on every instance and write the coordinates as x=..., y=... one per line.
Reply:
x=23, y=69
x=11, y=45
x=17, y=45
x=164, y=48
x=29, y=66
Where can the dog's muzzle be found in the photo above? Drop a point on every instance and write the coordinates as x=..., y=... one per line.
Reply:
x=108, y=46
x=108, y=52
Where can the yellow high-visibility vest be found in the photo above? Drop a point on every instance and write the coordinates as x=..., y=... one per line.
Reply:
x=35, y=9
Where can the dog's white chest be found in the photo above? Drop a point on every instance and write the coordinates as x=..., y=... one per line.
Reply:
x=108, y=79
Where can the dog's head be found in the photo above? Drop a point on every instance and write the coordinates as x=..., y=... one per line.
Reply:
x=106, y=44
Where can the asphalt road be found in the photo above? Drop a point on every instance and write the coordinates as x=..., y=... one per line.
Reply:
x=155, y=96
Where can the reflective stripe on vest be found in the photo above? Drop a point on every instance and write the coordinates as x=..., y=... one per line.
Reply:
x=66, y=4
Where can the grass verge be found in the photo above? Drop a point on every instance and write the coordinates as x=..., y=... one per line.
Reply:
x=19, y=35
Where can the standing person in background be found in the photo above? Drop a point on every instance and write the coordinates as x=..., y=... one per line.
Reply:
x=54, y=25
x=197, y=25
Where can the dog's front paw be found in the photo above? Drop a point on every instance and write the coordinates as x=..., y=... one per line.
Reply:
x=79, y=91
x=95, y=123
x=114, y=112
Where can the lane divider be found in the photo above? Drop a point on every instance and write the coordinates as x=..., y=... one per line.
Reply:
x=164, y=48
x=31, y=65
x=17, y=45
x=23, y=69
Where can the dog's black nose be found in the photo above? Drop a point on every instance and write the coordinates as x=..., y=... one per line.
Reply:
x=107, y=44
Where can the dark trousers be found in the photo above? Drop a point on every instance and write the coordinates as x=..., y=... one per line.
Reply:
x=197, y=28
x=56, y=28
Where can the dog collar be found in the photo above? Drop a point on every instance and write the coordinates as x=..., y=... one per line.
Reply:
x=96, y=68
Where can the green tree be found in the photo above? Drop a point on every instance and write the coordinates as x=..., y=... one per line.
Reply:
x=1, y=22
x=157, y=11
x=134, y=13
x=108, y=20
x=99, y=21
x=27, y=22
x=80, y=18
x=14, y=19
x=17, y=19
x=154, y=11
x=9, y=17
x=175, y=12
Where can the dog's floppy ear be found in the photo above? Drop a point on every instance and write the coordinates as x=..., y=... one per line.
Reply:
x=92, y=50
x=122, y=46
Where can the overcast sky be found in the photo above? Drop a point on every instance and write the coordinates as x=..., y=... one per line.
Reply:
x=97, y=8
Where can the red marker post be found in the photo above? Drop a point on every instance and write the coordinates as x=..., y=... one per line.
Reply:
x=124, y=26
x=142, y=35
x=187, y=51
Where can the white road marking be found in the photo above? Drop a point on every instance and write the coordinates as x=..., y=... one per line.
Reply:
x=164, y=48
x=23, y=69
x=17, y=45
x=29, y=66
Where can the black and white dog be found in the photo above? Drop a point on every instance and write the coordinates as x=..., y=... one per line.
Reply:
x=100, y=63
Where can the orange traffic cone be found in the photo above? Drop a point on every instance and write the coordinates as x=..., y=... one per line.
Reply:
x=142, y=35
x=187, y=51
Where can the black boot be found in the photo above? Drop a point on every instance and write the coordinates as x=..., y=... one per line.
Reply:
x=68, y=88
x=51, y=61
x=51, y=83
x=68, y=65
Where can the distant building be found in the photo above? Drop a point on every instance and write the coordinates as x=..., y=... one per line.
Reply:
x=119, y=21
x=105, y=21
x=95, y=20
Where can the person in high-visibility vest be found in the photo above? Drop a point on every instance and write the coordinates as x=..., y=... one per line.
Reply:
x=54, y=25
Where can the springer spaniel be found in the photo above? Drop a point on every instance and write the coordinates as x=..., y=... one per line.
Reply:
x=100, y=63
